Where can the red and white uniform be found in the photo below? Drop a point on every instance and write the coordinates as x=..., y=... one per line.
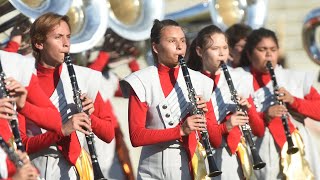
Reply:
x=223, y=108
x=306, y=103
x=7, y=167
x=37, y=107
x=12, y=46
x=158, y=104
x=59, y=158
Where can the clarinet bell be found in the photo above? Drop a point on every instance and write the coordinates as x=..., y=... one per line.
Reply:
x=213, y=169
x=257, y=161
x=291, y=148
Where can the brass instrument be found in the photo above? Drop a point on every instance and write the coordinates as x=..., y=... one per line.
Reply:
x=310, y=35
x=29, y=10
x=224, y=13
x=133, y=19
x=89, y=22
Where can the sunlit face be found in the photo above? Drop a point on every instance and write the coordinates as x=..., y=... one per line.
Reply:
x=236, y=51
x=57, y=43
x=172, y=44
x=217, y=52
x=266, y=50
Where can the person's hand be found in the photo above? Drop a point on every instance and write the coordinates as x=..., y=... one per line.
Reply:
x=17, y=91
x=6, y=108
x=110, y=39
x=201, y=104
x=78, y=122
x=87, y=104
x=244, y=103
x=27, y=171
x=21, y=28
x=237, y=119
x=130, y=49
x=275, y=111
x=193, y=123
x=284, y=95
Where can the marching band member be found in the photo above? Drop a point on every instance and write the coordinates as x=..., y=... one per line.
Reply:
x=207, y=51
x=8, y=170
x=302, y=100
x=65, y=158
x=237, y=37
x=158, y=110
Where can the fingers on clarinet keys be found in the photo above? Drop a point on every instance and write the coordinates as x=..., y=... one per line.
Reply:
x=193, y=123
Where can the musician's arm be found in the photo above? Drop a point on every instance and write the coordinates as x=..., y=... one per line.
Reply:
x=255, y=120
x=139, y=134
x=213, y=127
x=100, y=62
x=36, y=143
x=101, y=120
x=11, y=168
x=309, y=106
x=39, y=108
x=12, y=46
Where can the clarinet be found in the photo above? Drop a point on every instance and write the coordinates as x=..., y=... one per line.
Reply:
x=291, y=148
x=11, y=153
x=90, y=138
x=213, y=169
x=13, y=121
x=13, y=156
x=246, y=129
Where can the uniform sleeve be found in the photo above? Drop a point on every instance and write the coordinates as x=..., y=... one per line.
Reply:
x=134, y=66
x=35, y=143
x=309, y=106
x=118, y=92
x=213, y=127
x=40, y=110
x=101, y=120
x=139, y=134
x=100, y=62
x=255, y=121
x=223, y=125
x=12, y=46
x=11, y=168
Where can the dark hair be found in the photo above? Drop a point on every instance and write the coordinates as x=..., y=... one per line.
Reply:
x=204, y=41
x=252, y=40
x=156, y=32
x=237, y=32
x=42, y=26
